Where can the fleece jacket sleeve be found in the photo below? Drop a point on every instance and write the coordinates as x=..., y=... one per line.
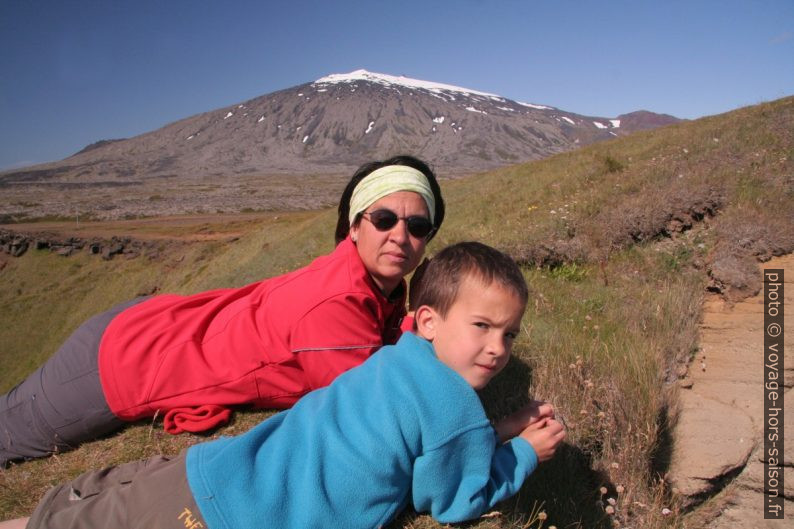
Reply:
x=459, y=480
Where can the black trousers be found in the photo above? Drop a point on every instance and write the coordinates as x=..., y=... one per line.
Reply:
x=61, y=404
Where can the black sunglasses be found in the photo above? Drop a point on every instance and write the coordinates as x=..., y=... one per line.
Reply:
x=385, y=219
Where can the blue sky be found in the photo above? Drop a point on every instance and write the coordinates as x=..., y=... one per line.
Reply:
x=74, y=72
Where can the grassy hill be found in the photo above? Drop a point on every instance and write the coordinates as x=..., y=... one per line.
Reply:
x=619, y=242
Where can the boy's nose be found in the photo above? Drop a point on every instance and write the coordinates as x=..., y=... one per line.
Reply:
x=497, y=346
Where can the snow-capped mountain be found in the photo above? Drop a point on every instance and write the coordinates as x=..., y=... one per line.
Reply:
x=334, y=124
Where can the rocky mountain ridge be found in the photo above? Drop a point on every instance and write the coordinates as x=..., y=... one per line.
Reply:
x=326, y=127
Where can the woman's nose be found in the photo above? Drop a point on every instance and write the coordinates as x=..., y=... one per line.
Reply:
x=399, y=232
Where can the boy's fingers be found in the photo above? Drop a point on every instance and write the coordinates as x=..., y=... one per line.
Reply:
x=539, y=424
x=554, y=426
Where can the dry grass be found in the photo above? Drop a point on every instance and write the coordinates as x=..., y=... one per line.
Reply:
x=620, y=241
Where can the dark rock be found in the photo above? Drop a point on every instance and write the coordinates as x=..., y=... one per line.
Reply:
x=112, y=249
x=76, y=243
x=19, y=247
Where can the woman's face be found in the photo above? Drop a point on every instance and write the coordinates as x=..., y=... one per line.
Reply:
x=389, y=255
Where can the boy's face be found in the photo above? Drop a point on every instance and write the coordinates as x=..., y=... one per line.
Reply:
x=476, y=337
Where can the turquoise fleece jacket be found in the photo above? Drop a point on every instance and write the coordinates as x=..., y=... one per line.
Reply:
x=400, y=427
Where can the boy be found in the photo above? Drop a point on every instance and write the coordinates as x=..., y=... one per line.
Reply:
x=405, y=423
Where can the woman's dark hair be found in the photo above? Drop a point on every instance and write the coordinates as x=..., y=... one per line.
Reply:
x=343, y=223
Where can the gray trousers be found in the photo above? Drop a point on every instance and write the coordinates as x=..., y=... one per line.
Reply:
x=151, y=493
x=61, y=404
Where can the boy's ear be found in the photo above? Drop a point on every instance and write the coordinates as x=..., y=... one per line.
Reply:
x=426, y=320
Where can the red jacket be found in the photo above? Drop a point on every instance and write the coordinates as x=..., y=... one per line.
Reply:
x=266, y=344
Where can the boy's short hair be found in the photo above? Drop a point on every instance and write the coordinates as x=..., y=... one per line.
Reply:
x=452, y=265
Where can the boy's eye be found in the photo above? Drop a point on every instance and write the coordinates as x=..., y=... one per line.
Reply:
x=481, y=324
x=511, y=335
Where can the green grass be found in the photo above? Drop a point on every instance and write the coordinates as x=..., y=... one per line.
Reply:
x=604, y=329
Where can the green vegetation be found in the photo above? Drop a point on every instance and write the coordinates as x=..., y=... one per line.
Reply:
x=619, y=243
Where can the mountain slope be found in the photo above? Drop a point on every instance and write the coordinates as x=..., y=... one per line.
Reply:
x=335, y=124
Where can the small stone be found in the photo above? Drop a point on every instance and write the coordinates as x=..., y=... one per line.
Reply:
x=612, y=501
x=666, y=512
x=610, y=510
x=615, y=465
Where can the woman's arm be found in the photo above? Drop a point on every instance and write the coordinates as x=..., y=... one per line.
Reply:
x=337, y=335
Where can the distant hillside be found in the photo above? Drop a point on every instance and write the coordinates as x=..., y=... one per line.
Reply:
x=644, y=120
x=96, y=145
x=338, y=121
x=326, y=127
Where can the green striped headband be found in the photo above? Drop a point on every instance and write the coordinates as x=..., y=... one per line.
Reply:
x=388, y=180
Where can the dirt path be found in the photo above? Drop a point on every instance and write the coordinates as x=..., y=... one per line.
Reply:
x=718, y=439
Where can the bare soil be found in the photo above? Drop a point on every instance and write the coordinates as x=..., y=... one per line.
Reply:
x=718, y=450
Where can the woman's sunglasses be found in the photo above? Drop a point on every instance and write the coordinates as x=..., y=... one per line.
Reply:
x=385, y=219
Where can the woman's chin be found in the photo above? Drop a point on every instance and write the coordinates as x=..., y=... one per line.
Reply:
x=388, y=280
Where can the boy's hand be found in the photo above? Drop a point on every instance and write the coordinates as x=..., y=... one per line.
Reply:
x=544, y=436
x=516, y=422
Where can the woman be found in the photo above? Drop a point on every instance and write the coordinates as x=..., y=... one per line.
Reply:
x=190, y=358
